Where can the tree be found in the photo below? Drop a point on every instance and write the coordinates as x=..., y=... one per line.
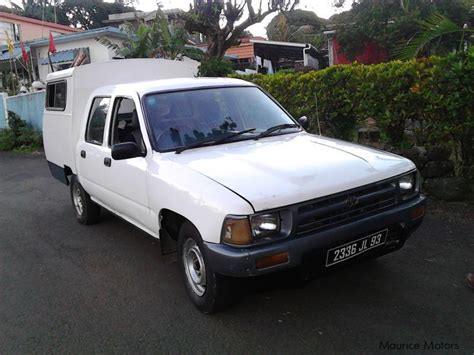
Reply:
x=153, y=40
x=89, y=14
x=297, y=26
x=391, y=23
x=222, y=22
x=435, y=27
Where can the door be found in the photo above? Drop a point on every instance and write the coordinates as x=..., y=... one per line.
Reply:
x=126, y=180
x=91, y=149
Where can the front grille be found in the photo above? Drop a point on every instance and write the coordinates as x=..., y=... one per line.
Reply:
x=345, y=207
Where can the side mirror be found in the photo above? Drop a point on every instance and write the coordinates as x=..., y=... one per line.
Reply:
x=126, y=150
x=304, y=122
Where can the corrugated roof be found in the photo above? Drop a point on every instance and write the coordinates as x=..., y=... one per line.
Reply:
x=244, y=51
x=5, y=55
x=71, y=37
x=59, y=57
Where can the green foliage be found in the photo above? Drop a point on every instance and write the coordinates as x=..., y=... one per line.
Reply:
x=297, y=26
x=215, y=68
x=85, y=14
x=19, y=137
x=435, y=27
x=435, y=93
x=153, y=40
x=392, y=23
x=7, y=140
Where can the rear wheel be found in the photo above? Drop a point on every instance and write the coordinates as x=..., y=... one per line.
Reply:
x=209, y=291
x=87, y=212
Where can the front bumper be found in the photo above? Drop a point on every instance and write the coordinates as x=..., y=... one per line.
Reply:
x=312, y=249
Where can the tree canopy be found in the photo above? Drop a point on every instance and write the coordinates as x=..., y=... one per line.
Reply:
x=223, y=22
x=297, y=26
x=86, y=14
x=394, y=23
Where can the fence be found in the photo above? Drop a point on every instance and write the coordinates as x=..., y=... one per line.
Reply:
x=29, y=107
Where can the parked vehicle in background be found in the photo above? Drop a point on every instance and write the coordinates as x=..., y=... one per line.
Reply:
x=219, y=169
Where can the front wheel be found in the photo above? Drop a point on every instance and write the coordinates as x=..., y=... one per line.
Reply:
x=87, y=211
x=209, y=291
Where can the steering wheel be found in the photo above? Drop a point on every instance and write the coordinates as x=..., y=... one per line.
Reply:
x=177, y=127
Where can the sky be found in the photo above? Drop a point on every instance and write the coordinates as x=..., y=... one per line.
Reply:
x=323, y=8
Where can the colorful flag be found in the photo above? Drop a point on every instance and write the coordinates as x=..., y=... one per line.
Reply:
x=24, y=53
x=10, y=46
x=52, y=47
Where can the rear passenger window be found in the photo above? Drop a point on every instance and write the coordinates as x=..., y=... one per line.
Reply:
x=96, y=123
x=56, y=96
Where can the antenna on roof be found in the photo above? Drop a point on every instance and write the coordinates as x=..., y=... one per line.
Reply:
x=317, y=113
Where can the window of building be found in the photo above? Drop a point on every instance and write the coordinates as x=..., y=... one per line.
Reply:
x=12, y=29
x=56, y=96
x=96, y=122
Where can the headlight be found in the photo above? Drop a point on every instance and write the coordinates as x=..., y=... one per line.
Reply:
x=409, y=185
x=264, y=225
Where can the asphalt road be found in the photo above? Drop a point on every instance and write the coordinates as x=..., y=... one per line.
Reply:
x=69, y=288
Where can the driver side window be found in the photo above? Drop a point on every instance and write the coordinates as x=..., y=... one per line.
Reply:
x=125, y=126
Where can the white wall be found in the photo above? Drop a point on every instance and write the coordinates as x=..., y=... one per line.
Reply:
x=98, y=52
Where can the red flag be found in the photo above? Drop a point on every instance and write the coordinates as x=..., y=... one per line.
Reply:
x=24, y=53
x=52, y=47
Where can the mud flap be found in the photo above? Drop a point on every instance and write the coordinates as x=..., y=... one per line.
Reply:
x=167, y=244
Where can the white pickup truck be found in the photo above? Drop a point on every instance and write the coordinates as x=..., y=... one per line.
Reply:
x=219, y=169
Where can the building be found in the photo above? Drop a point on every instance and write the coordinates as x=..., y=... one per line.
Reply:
x=137, y=17
x=73, y=49
x=256, y=53
x=370, y=52
x=243, y=55
x=25, y=29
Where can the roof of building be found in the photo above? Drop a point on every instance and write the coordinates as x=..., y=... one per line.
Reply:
x=245, y=50
x=71, y=37
x=56, y=26
x=65, y=38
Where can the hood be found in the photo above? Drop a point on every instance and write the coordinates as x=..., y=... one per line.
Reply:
x=287, y=169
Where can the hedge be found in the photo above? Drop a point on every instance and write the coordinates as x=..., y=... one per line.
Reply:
x=434, y=95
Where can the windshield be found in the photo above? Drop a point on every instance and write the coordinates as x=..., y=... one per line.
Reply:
x=179, y=119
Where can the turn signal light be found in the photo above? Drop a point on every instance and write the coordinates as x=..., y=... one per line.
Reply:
x=417, y=212
x=272, y=260
x=236, y=231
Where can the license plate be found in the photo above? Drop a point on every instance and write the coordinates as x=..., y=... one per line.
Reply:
x=356, y=247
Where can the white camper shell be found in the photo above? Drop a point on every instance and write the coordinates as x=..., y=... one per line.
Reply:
x=222, y=174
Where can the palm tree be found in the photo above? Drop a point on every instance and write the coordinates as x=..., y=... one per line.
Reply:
x=434, y=27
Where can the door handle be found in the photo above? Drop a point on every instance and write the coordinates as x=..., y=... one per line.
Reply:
x=107, y=161
x=83, y=154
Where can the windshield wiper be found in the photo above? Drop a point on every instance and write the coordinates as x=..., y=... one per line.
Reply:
x=214, y=141
x=275, y=129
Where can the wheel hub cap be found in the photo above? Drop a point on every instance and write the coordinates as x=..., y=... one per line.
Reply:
x=194, y=267
x=77, y=198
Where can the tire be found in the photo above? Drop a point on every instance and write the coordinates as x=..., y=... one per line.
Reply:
x=87, y=212
x=209, y=291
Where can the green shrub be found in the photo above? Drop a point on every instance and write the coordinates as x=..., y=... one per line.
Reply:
x=215, y=68
x=19, y=137
x=437, y=93
x=7, y=140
